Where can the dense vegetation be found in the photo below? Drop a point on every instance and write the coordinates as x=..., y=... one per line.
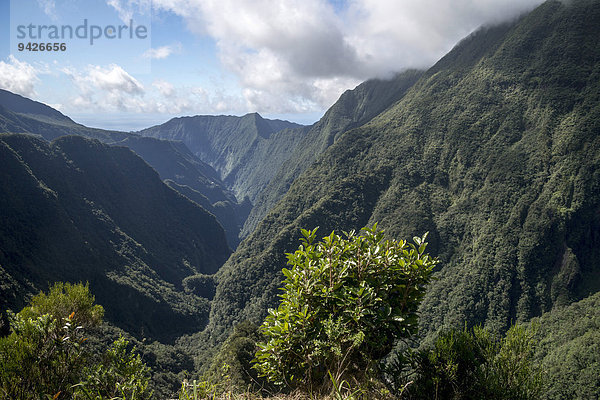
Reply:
x=345, y=302
x=473, y=364
x=172, y=160
x=569, y=349
x=47, y=354
x=76, y=209
x=494, y=151
x=196, y=180
x=354, y=108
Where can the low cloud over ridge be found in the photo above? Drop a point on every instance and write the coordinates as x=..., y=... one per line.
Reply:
x=293, y=55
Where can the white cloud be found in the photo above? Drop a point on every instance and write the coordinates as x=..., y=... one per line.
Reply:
x=389, y=35
x=115, y=79
x=165, y=88
x=128, y=8
x=293, y=55
x=112, y=89
x=162, y=52
x=18, y=76
x=106, y=88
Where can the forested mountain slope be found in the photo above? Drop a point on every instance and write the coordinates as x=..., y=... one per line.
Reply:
x=246, y=151
x=77, y=210
x=172, y=160
x=569, y=349
x=495, y=151
x=187, y=174
x=354, y=108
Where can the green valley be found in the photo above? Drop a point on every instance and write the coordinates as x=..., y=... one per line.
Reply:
x=184, y=230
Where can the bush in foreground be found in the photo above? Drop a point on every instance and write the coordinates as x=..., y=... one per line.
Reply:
x=46, y=354
x=345, y=302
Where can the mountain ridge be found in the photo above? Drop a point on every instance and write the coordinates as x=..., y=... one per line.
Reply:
x=492, y=153
x=354, y=108
x=246, y=151
x=172, y=160
x=22, y=105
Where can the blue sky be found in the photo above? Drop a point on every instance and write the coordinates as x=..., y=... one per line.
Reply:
x=288, y=59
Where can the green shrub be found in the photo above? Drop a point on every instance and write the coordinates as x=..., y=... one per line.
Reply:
x=121, y=374
x=40, y=358
x=473, y=364
x=66, y=300
x=46, y=355
x=345, y=302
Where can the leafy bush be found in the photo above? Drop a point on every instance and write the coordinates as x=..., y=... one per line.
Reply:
x=66, y=300
x=121, y=374
x=40, y=358
x=345, y=302
x=473, y=364
x=46, y=355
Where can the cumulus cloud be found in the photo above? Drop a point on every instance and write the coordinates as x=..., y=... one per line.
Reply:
x=165, y=88
x=114, y=79
x=294, y=55
x=18, y=76
x=106, y=87
x=112, y=89
x=162, y=52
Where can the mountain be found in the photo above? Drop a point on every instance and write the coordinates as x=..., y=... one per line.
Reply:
x=228, y=213
x=32, y=109
x=494, y=151
x=193, y=178
x=246, y=151
x=19, y=114
x=172, y=160
x=75, y=209
x=353, y=109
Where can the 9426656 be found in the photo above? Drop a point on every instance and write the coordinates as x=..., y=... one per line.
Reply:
x=35, y=46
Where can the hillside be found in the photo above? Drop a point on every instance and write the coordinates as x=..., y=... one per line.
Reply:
x=246, y=151
x=494, y=151
x=353, y=109
x=569, y=349
x=172, y=160
x=185, y=173
x=19, y=114
x=32, y=109
x=78, y=210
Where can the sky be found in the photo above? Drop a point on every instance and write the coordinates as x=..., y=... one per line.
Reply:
x=131, y=64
